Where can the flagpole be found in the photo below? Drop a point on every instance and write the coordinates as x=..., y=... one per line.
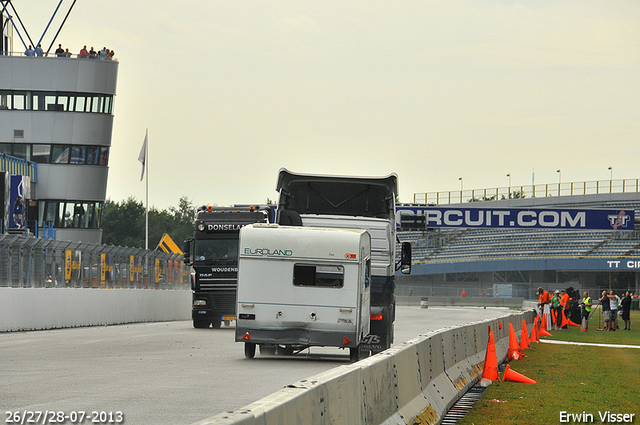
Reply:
x=146, y=235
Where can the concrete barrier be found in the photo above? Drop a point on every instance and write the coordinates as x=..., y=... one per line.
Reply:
x=50, y=308
x=416, y=382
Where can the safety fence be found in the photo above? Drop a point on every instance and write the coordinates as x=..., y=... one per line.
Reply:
x=27, y=262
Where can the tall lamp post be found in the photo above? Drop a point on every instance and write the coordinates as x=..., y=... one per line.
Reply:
x=509, y=176
x=559, y=180
x=610, y=179
x=461, y=182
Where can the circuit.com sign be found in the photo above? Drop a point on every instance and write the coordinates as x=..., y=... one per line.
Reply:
x=516, y=218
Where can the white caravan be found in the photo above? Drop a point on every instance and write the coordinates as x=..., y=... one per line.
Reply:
x=302, y=286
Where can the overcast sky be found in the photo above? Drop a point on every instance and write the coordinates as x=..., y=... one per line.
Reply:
x=231, y=91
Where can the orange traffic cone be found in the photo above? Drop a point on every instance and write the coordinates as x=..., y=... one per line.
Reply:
x=565, y=321
x=543, y=325
x=513, y=376
x=544, y=333
x=490, y=371
x=534, y=333
x=554, y=317
x=524, y=338
x=514, y=352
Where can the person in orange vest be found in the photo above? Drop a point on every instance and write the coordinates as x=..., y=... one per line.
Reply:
x=564, y=304
x=543, y=305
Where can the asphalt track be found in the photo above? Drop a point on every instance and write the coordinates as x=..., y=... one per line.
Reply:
x=167, y=372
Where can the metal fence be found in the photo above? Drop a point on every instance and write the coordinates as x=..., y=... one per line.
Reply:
x=27, y=262
x=528, y=191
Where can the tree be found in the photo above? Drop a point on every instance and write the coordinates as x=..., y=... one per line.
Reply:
x=123, y=224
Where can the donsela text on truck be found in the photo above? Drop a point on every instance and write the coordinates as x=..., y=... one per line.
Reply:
x=213, y=254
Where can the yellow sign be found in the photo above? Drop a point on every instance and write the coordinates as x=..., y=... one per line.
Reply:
x=168, y=245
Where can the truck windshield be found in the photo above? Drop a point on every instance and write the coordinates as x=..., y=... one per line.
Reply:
x=219, y=250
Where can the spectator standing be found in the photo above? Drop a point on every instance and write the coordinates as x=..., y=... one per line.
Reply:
x=564, y=303
x=29, y=51
x=586, y=310
x=83, y=53
x=544, y=302
x=463, y=293
x=39, y=51
x=605, y=303
x=60, y=51
x=613, y=298
x=555, y=306
x=626, y=311
x=92, y=53
x=103, y=53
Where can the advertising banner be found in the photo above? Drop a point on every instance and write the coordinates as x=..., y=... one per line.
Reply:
x=519, y=218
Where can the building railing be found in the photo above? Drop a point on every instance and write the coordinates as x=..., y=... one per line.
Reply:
x=19, y=167
x=54, y=56
x=530, y=191
x=27, y=262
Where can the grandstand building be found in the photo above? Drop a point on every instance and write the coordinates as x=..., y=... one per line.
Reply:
x=56, y=119
x=514, y=262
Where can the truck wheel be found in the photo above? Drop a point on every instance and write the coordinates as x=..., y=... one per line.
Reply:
x=227, y=322
x=354, y=354
x=267, y=350
x=200, y=323
x=249, y=350
x=217, y=323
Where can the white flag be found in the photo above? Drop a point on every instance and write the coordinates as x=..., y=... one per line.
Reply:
x=143, y=154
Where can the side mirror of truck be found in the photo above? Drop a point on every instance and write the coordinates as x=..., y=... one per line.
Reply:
x=186, y=249
x=405, y=258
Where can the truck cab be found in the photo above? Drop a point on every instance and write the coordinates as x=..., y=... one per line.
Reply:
x=212, y=253
x=351, y=202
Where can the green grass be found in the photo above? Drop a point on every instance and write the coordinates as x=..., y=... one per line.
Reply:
x=571, y=378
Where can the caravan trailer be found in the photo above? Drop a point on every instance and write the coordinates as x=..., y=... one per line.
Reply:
x=300, y=287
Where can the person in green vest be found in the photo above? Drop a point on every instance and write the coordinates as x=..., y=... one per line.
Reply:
x=557, y=310
x=586, y=310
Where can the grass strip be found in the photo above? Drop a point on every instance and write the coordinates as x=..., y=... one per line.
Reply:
x=584, y=381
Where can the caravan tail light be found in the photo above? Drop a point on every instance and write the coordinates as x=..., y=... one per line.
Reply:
x=376, y=317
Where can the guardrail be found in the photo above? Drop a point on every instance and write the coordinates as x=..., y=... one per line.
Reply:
x=528, y=191
x=416, y=382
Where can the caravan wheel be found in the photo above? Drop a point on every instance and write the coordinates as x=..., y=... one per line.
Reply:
x=249, y=350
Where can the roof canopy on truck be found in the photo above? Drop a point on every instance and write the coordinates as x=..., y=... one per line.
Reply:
x=340, y=195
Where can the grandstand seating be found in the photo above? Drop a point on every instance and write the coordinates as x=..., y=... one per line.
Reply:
x=454, y=245
x=485, y=244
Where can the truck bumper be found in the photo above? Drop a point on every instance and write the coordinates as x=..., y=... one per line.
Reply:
x=296, y=337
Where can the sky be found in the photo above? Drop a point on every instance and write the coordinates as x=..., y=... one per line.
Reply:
x=433, y=90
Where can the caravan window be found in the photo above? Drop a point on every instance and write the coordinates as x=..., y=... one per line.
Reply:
x=322, y=276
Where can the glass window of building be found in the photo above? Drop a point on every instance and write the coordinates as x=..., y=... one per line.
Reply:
x=92, y=155
x=60, y=154
x=20, y=101
x=62, y=103
x=80, y=102
x=78, y=155
x=41, y=154
x=104, y=156
x=22, y=151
